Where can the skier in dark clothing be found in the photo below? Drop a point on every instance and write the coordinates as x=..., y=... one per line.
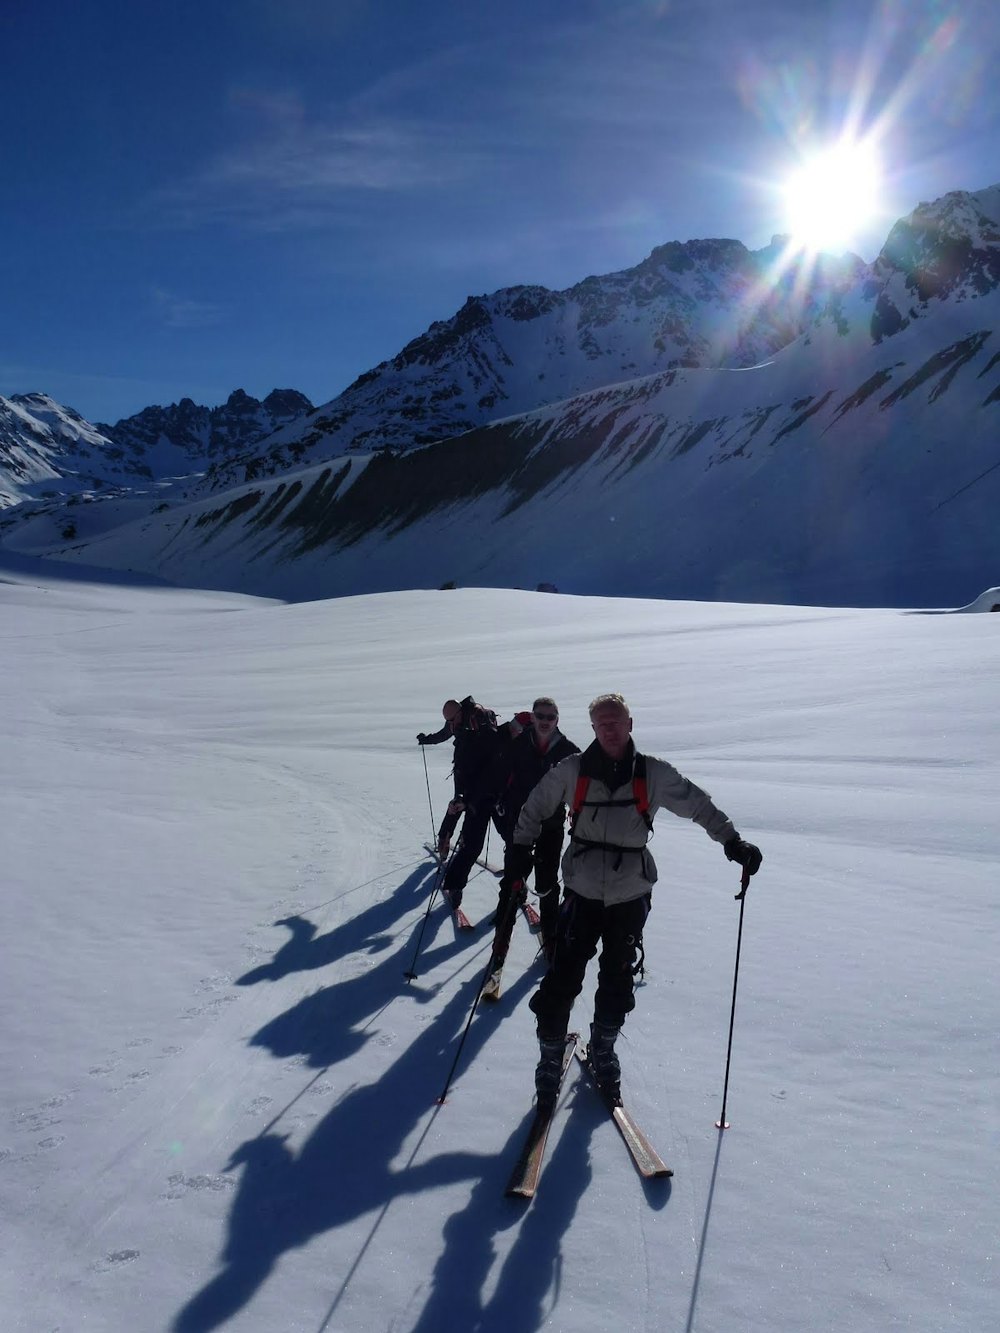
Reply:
x=613, y=793
x=539, y=747
x=452, y=714
x=479, y=746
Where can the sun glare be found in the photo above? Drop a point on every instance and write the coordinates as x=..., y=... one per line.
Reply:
x=832, y=196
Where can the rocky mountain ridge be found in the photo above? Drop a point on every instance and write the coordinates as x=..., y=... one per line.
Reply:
x=706, y=303
x=207, y=434
x=859, y=463
x=48, y=451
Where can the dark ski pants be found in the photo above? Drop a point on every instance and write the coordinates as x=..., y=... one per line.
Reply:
x=546, y=852
x=585, y=923
x=470, y=845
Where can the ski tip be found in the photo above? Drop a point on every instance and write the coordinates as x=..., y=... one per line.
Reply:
x=524, y=1195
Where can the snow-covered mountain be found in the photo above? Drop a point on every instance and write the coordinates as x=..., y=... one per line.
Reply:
x=857, y=463
x=186, y=433
x=702, y=303
x=49, y=452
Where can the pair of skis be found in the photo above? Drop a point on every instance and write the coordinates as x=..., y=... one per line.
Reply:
x=461, y=921
x=459, y=917
x=524, y=1178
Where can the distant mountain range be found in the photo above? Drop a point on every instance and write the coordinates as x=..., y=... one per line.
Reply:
x=49, y=451
x=714, y=422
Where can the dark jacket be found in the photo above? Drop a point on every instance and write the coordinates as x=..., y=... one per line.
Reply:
x=479, y=746
x=523, y=767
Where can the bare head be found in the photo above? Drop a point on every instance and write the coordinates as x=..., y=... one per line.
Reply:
x=544, y=716
x=612, y=724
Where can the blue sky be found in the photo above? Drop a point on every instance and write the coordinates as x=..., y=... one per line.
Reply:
x=196, y=197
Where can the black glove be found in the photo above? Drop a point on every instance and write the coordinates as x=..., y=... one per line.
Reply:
x=518, y=862
x=744, y=854
x=422, y=738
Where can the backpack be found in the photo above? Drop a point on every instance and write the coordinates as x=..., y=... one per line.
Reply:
x=639, y=797
x=476, y=717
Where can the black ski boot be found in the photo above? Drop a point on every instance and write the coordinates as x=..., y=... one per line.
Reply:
x=548, y=1071
x=604, y=1061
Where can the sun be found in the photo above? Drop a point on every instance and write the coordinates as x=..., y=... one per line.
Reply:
x=832, y=197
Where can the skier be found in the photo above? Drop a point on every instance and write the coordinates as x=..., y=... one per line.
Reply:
x=479, y=744
x=451, y=711
x=539, y=747
x=613, y=793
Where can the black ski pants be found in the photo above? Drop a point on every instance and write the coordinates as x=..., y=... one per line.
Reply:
x=475, y=824
x=546, y=852
x=584, y=924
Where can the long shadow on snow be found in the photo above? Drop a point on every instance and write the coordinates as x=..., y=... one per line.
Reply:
x=344, y=1170
x=526, y=1291
x=368, y=929
x=332, y=1024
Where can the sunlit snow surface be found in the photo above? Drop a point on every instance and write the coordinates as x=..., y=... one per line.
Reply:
x=219, y=1090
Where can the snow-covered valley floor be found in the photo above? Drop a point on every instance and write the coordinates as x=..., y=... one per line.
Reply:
x=219, y=1090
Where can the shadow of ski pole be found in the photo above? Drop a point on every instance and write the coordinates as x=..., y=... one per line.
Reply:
x=702, y=1244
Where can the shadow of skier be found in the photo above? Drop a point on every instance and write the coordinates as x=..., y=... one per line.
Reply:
x=367, y=930
x=344, y=1170
x=526, y=1289
x=331, y=1024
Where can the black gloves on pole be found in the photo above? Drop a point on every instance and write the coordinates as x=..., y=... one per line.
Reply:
x=744, y=854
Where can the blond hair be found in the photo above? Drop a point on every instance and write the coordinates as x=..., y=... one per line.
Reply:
x=609, y=701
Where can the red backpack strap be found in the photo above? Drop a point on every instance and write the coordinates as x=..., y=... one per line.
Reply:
x=579, y=796
x=639, y=788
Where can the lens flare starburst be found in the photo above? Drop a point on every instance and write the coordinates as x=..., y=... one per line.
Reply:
x=831, y=197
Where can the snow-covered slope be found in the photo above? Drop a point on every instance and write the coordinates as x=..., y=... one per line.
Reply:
x=218, y=1092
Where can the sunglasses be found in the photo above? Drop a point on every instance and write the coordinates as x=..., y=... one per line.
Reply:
x=547, y=717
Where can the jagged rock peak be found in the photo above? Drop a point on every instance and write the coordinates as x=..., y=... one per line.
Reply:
x=678, y=256
x=287, y=403
x=950, y=244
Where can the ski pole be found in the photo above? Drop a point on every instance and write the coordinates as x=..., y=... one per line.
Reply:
x=430, y=803
x=741, y=898
x=508, y=916
x=411, y=974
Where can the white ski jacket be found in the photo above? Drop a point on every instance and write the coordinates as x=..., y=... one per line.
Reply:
x=607, y=857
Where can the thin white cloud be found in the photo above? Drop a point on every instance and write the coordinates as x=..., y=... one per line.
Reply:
x=296, y=171
x=180, y=312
